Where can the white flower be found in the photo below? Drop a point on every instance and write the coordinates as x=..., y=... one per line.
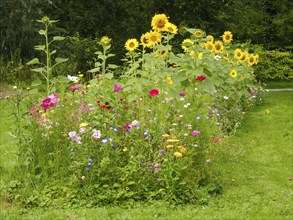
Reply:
x=226, y=97
x=217, y=57
x=14, y=87
x=83, y=177
x=73, y=78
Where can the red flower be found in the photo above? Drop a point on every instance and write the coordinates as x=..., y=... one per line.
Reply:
x=182, y=93
x=200, y=78
x=154, y=92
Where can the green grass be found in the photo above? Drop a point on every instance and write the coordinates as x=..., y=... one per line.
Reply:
x=256, y=169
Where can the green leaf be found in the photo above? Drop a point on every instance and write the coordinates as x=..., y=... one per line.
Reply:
x=94, y=70
x=112, y=66
x=36, y=83
x=130, y=183
x=109, y=76
x=58, y=38
x=53, y=52
x=40, y=47
x=42, y=32
x=61, y=60
x=33, y=61
x=115, y=185
x=39, y=70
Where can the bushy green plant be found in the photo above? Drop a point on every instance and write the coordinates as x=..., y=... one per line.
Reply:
x=274, y=65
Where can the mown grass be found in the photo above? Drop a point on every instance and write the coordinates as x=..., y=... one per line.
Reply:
x=257, y=168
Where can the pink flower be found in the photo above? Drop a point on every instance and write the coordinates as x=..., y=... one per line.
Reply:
x=200, y=78
x=195, y=133
x=75, y=87
x=154, y=92
x=182, y=93
x=96, y=134
x=117, y=88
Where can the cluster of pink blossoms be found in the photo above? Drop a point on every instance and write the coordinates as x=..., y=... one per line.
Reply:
x=50, y=101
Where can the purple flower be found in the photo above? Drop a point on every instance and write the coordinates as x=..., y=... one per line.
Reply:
x=96, y=134
x=117, y=88
x=104, y=141
x=195, y=133
x=146, y=133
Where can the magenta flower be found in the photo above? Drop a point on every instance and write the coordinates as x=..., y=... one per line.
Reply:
x=75, y=87
x=117, y=88
x=200, y=78
x=195, y=133
x=50, y=101
x=154, y=92
x=182, y=94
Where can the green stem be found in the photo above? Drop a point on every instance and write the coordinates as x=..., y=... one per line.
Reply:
x=48, y=60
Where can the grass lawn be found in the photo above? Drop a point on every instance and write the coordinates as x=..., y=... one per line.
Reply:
x=257, y=174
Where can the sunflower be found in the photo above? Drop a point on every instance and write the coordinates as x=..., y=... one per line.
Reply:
x=159, y=22
x=161, y=53
x=244, y=56
x=210, y=46
x=256, y=57
x=187, y=44
x=144, y=40
x=251, y=60
x=198, y=33
x=131, y=44
x=154, y=37
x=210, y=38
x=171, y=28
x=238, y=53
x=233, y=73
x=219, y=47
x=227, y=37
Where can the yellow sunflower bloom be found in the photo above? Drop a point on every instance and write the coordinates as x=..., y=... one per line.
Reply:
x=233, y=73
x=131, y=44
x=256, y=57
x=154, y=38
x=187, y=44
x=210, y=38
x=210, y=46
x=238, y=53
x=251, y=60
x=219, y=47
x=244, y=56
x=198, y=33
x=171, y=28
x=144, y=40
x=227, y=37
x=162, y=53
x=159, y=22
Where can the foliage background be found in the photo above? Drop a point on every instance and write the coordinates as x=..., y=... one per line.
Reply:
x=265, y=22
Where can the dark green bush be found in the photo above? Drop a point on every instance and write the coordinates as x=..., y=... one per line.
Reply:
x=274, y=64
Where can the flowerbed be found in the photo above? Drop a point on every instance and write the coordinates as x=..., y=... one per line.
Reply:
x=152, y=132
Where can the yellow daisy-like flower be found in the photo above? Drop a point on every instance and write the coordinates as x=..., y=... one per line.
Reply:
x=84, y=124
x=154, y=37
x=131, y=44
x=171, y=28
x=144, y=40
x=233, y=73
x=219, y=47
x=172, y=140
x=210, y=38
x=251, y=60
x=187, y=44
x=238, y=53
x=182, y=149
x=244, y=56
x=210, y=46
x=177, y=154
x=165, y=135
x=169, y=146
x=227, y=37
x=199, y=55
x=198, y=33
x=169, y=80
x=105, y=40
x=159, y=22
